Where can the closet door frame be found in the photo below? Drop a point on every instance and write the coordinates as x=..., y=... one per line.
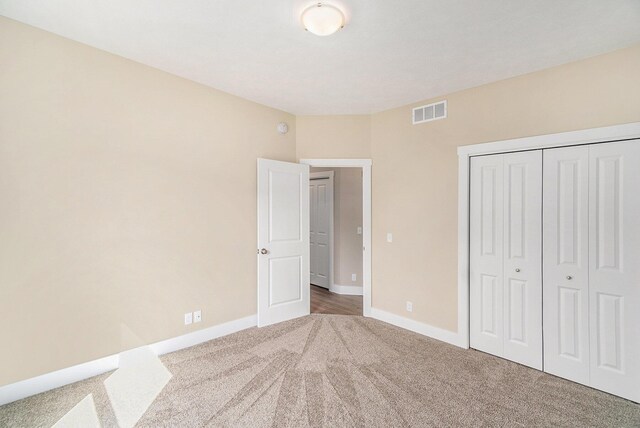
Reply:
x=589, y=136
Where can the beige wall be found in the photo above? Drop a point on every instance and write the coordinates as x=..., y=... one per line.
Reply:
x=128, y=198
x=415, y=166
x=346, y=137
x=347, y=207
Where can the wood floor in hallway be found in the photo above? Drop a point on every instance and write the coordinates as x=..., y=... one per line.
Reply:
x=325, y=302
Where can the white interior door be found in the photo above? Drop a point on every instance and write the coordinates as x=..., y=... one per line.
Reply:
x=566, y=263
x=486, y=254
x=614, y=267
x=523, y=258
x=283, y=241
x=321, y=198
x=505, y=256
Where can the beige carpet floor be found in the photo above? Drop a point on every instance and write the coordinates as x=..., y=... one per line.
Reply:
x=335, y=371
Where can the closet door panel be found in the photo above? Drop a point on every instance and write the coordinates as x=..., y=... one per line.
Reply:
x=614, y=267
x=486, y=254
x=523, y=258
x=566, y=261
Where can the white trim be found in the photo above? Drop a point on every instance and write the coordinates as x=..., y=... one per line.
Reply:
x=336, y=163
x=417, y=327
x=322, y=174
x=463, y=250
x=56, y=379
x=197, y=337
x=330, y=176
x=365, y=164
x=366, y=240
x=349, y=290
x=564, y=139
x=572, y=138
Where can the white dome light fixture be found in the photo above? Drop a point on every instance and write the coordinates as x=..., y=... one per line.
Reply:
x=322, y=19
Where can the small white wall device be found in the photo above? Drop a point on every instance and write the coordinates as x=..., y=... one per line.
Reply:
x=283, y=128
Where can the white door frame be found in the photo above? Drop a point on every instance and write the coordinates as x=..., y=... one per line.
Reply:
x=365, y=164
x=330, y=176
x=574, y=138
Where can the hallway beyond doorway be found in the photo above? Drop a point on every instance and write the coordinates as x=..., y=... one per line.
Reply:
x=325, y=302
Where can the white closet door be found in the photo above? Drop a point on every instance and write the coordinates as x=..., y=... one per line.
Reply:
x=566, y=263
x=505, y=256
x=486, y=254
x=614, y=267
x=523, y=258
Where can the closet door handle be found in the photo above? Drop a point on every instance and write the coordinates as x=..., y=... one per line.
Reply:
x=569, y=277
x=517, y=269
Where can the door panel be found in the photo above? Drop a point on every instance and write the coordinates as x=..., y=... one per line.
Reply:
x=489, y=305
x=321, y=193
x=505, y=256
x=284, y=280
x=614, y=268
x=522, y=258
x=283, y=235
x=566, y=255
x=486, y=254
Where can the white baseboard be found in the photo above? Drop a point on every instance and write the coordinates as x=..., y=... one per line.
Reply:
x=351, y=290
x=418, y=327
x=52, y=380
x=48, y=381
x=200, y=336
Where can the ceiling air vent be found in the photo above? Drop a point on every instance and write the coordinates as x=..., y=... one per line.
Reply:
x=430, y=112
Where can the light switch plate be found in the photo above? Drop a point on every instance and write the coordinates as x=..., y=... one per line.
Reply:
x=188, y=318
x=359, y=230
x=354, y=277
x=409, y=306
x=197, y=316
x=389, y=237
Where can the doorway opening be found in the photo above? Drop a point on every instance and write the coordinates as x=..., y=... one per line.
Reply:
x=335, y=240
x=340, y=236
x=283, y=280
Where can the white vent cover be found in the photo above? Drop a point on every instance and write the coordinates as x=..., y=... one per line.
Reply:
x=430, y=112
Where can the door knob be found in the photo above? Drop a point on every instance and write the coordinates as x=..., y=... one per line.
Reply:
x=263, y=251
x=517, y=269
x=569, y=277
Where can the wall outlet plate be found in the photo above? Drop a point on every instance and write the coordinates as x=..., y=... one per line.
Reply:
x=409, y=306
x=197, y=316
x=354, y=277
x=389, y=237
x=188, y=318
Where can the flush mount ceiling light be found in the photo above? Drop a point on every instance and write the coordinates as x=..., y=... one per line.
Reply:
x=322, y=19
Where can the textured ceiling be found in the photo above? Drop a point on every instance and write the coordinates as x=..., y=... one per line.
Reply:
x=390, y=53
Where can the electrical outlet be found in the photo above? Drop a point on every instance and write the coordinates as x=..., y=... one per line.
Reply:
x=409, y=306
x=389, y=237
x=354, y=277
x=188, y=318
x=197, y=316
